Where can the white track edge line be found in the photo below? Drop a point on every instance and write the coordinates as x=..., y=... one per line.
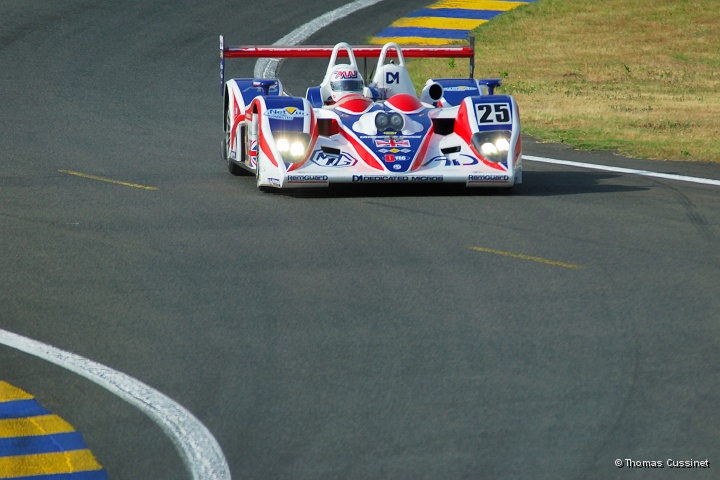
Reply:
x=197, y=446
x=630, y=171
x=267, y=68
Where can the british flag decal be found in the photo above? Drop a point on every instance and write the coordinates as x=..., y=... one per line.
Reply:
x=391, y=142
x=253, y=152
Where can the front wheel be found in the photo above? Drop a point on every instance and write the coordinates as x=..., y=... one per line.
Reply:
x=233, y=168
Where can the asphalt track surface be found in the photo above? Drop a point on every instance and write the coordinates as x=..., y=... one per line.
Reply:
x=350, y=333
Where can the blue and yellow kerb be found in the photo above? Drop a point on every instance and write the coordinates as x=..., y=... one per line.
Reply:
x=444, y=22
x=37, y=445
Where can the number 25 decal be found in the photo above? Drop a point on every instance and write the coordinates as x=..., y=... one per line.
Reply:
x=493, y=113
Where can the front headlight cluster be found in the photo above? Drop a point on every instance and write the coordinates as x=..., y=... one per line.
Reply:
x=493, y=145
x=393, y=121
x=292, y=146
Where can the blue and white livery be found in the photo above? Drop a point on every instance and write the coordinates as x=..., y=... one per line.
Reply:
x=346, y=131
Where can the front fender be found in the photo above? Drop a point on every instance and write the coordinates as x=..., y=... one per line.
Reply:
x=493, y=120
x=282, y=124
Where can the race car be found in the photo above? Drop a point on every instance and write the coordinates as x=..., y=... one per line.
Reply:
x=346, y=131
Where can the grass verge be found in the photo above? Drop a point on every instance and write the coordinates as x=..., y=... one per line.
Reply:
x=637, y=77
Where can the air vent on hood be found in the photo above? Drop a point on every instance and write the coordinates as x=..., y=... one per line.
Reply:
x=331, y=150
x=443, y=126
x=447, y=150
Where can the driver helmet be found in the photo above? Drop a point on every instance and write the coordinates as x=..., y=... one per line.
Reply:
x=345, y=80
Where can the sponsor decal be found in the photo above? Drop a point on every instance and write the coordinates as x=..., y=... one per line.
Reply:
x=398, y=178
x=460, y=161
x=274, y=181
x=487, y=178
x=459, y=88
x=396, y=158
x=392, y=143
x=307, y=178
x=287, y=113
x=394, y=150
x=392, y=77
x=336, y=161
x=343, y=74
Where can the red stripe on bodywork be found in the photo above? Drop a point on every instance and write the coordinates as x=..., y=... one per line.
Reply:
x=359, y=51
x=265, y=147
x=365, y=154
x=417, y=162
x=313, y=139
x=462, y=124
x=263, y=144
x=354, y=104
x=237, y=118
x=496, y=166
x=518, y=148
x=405, y=103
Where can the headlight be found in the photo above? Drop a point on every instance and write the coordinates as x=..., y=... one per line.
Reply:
x=493, y=145
x=292, y=145
x=397, y=122
x=393, y=121
x=283, y=145
x=297, y=149
x=382, y=120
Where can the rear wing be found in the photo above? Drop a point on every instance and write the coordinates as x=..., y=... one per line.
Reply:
x=324, y=51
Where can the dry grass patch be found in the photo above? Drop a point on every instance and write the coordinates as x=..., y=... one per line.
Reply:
x=638, y=77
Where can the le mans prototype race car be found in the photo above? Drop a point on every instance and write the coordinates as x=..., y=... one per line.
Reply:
x=344, y=131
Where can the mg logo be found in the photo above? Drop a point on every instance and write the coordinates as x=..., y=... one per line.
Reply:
x=337, y=161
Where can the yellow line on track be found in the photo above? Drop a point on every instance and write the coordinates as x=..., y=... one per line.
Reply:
x=478, y=4
x=410, y=40
x=48, y=464
x=527, y=257
x=8, y=393
x=107, y=180
x=439, y=22
x=32, y=426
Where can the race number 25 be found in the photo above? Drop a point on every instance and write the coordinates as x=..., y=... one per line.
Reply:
x=493, y=113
